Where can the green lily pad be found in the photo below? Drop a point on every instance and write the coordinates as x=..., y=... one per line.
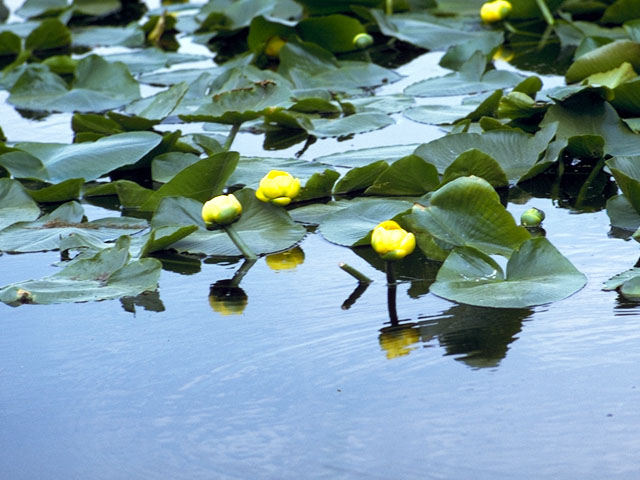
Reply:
x=359, y=178
x=49, y=35
x=319, y=185
x=94, y=36
x=627, y=97
x=591, y=116
x=351, y=226
x=99, y=86
x=365, y=156
x=467, y=212
x=109, y=274
x=408, y=176
x=603, y=59
x=626, y=171
x=201, y=181
x=264, y=227
x=622, y=214
x=238, y=106
x=537, y=273
x=159, y=106
x=447, y=114
x=44, y=233
x=333, y=32
x=475, y=162
x=54, y=163
x=470, y=79
x=516, y=152
x=15, y=204
x=621, y=11
x=59, y=192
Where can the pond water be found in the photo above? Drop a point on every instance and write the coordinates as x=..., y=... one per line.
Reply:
x=306, y=380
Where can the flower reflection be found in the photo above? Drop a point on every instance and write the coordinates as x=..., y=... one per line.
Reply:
x=226, y=298
x=398, y=341
x=288, y=260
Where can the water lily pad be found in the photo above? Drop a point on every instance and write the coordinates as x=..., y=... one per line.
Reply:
x=446, y=114
x=130, y=36
x=408, y=176
x=365, y=156
x=537, y=273
x=626, y=171
x=15, y=204
x=516, y=152
x=470, y=79
x=44, y=233
x=359, y=178
x=333, y=32
x=622, y=214
x=265, y=228
x=59, y=192
x=53, y=162
x=109, y=274
x=351, y=226
x=475, y=162
x=605, y=58
x=99, y=86
x=468, y=212
x=159, y=106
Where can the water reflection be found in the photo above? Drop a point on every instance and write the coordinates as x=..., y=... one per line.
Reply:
x=149, y=301
x=226, y=296
x=287, y=260
x=479, y=336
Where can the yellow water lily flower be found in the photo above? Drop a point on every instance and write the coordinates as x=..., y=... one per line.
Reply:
x=285, y=260
x=274, y=44
x=278, y=188
x=391, y=241
x=221, y=210
x=397, y=343
x=495, y=11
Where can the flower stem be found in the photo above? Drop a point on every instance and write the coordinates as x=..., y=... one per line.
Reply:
x=389, y=7
x=239, y=242
x=361, y=277
x=546, y=13
x=235, y=128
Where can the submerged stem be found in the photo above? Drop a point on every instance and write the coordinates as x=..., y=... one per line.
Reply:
x=587, y=183
x=391, y=293
x=242, y=271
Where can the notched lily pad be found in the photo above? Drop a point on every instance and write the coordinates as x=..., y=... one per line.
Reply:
x=108, y=274
x=537, y=273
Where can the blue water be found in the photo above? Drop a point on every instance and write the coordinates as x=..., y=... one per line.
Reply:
x=297, y=386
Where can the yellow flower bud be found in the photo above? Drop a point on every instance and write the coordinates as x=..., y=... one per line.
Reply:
x=397, y=342
x=391, y=241
x=221, y=210
x=286, y=260
x=278, y=188
x=495, y=11
x=275, y=43
x=363, y=40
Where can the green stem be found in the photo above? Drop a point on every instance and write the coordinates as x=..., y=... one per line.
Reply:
x=587, y=183
x=361, y=277
x=235, y=128
x=389, y=7
x=239, y=242
x=242, y=271
x=546, y=13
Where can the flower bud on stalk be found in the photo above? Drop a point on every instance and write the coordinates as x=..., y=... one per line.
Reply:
x=221, y=210
x=278, y=188
x=391, y=241
x=495, y=11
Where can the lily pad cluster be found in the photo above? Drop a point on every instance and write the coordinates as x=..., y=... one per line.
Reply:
x=295, y=72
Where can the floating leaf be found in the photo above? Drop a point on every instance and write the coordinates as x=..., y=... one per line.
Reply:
x=109, y=274
x=54, y=163
x=365, y=156
x=44, y=233
x=516, y=152
x=59, y=192
x=351, y=226
x=99, y=86
x=15, y=204
x=468, y=212
x=626, y=171
x=475, y=162
x=409, y=176
x=333, y=32
x=359, y=178
x=536, y=274
x=264, y=227
x=622, y=214
x=603, y=59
